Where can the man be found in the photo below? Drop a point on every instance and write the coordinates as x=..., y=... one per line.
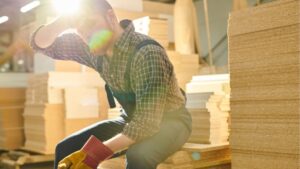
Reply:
x=154, y=123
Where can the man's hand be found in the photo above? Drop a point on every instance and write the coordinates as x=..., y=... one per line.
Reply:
x=91, y=154
x=72, y=160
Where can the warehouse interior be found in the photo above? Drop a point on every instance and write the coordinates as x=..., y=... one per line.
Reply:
x=237, y=62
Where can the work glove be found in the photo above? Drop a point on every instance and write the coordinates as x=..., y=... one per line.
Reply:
x=88, y=157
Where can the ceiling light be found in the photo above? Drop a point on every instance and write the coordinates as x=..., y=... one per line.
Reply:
x=3, y=19
x=30, y=6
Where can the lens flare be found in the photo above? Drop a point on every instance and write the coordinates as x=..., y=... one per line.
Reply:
x=66, y=7
x=99, y=39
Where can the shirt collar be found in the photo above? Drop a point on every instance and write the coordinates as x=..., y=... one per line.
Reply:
x=123, y=43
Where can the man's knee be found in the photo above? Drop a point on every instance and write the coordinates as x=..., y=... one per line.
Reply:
x=60, y=149
x=65, y=147
x=138, y=158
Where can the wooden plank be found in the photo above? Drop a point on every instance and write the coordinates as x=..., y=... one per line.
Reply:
x=211, y=163
x=204, y=147
x=158, y=7
x=13, y=80
x=239, y=5
x=19, y=158
x=126, y=14
x=264, y=17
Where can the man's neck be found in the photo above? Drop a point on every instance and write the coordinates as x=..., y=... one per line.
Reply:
x=116, y=37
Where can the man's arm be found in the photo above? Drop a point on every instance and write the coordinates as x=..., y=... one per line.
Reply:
x=53, y=41
x=47, y=34
x=119, y=142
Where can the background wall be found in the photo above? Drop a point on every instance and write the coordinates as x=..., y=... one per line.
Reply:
x=218, y=12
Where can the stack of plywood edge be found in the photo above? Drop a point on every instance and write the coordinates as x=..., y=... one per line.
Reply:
x=208, y=103
x=12, y=99
x=185, y=67
x=58, y=104
x=265, y=77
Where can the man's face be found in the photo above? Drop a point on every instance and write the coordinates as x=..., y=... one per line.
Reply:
x=95, y=31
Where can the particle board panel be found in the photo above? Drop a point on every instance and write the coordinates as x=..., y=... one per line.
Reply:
x=264, y=17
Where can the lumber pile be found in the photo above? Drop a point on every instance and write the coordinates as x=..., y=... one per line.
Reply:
x=185, y=67
x=156, y=28
x=44, y=64
x=158, y=7
x=11, y=121
x=208, y=103
x=12, y=99
x=264, y=71
x=132, y=15
x=58, y=104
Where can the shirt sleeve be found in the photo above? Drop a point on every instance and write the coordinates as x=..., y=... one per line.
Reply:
x=68, y=46
x=150, y=79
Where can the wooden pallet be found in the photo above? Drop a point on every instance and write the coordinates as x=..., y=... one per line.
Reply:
x=22, y=159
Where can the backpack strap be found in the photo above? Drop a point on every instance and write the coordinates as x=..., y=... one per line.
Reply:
x=110, y=97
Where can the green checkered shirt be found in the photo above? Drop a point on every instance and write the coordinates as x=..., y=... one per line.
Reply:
x=152, y=76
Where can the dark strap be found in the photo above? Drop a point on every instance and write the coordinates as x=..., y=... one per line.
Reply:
x=135, y=51
x=110, y=97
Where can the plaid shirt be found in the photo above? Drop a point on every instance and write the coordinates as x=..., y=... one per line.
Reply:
x=152, y=76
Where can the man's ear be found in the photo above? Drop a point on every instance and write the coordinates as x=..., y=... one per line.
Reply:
x=112, y=19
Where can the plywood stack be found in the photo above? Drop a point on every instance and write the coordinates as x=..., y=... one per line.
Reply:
x=43, y=63
x=264, y=70
x=185, y=67
x=156, y=28
x=208, y=103
x=158, y=7
x=219, y=127
x=58, y=104
x=132, y=15
x=44, y=127
x=11, y=121
x=12, y=99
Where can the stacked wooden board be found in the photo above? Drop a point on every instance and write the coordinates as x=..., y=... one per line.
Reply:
x=11, y=121
x=264, y=71
x=185, y=67
x=46, y=64
x=12, y=99
x=58, y=104
x=158, y=7
x=44, y=127
x=208, y=103
x=132, y=15
x=156, y=28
